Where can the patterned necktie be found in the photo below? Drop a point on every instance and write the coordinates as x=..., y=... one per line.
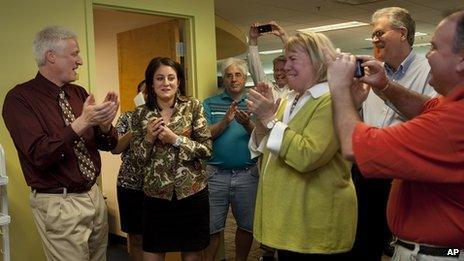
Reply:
x=86, y=165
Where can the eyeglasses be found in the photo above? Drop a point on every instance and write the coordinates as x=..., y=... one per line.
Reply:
x=379, y=33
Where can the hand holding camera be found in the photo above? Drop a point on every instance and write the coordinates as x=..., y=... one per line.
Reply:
x=359, y=72
x=265, y=28
x=271, y=27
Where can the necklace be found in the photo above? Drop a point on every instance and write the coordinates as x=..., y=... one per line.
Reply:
x=295, y=101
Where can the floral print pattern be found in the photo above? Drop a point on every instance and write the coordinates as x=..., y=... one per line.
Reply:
x=129, y=176
x=167, y=169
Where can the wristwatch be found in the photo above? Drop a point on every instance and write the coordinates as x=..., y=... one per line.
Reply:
x=271, y=124
x=177, y=142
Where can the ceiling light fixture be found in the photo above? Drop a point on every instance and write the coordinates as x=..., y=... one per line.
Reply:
x=271, y=51
x=422, y=45
x=332, y=27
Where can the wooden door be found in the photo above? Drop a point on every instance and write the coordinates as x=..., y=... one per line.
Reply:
x=135, y=50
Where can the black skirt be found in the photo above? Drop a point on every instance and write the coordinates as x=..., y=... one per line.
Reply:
x=176, y=225
x=130, y=203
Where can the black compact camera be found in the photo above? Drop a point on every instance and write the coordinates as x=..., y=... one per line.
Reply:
x=264, y=28
x=359, y=72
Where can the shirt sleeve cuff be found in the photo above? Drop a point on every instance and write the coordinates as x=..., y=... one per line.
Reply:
x=70, y=137
x=275, y=137
x=253, y=48
x=256, y=149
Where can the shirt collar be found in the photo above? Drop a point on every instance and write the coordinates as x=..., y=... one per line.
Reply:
x=279, y=90
x=49, y=87
x=455, y=95
x=182, y=98
x=404, y=66
x=315, y=91
x=225, y=96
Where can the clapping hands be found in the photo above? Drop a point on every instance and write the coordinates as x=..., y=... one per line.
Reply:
x=157, y=129
x=97, y=114
x=261, y=102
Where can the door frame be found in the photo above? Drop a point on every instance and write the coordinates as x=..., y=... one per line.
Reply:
x=109, y=170
x=187, y=35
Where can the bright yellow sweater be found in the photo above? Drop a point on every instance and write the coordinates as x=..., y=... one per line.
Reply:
x=306, y=200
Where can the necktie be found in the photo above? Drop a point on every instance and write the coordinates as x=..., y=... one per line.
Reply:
x=86, y=165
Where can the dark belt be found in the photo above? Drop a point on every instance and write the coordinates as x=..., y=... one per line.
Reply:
x=59, y=190
x=429, y=250
x=235, y=169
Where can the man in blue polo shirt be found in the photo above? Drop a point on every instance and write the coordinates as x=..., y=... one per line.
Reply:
x=233, y=174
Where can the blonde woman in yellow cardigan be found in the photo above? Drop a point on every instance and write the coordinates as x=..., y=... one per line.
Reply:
x=306, y=202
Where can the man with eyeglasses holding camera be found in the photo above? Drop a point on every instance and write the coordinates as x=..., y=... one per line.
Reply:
x=423, y=155
x=393, y=31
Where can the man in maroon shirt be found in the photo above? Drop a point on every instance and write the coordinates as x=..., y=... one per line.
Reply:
x=67, y=206
x=424, y=156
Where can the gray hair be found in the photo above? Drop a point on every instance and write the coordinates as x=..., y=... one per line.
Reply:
x=399, y=18
x=241, y=65
x=50, y=39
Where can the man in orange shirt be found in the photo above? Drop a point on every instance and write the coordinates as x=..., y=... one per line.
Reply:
x=424, y=156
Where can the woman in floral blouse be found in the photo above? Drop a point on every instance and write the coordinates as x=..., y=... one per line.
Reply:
x=171, y=142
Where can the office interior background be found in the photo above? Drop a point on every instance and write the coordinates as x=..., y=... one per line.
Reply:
x=197, y=33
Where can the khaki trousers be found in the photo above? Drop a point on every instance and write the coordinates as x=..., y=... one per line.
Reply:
x=404, y=254
x=72, y=226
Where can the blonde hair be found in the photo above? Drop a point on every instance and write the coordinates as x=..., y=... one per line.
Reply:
x=313, y=44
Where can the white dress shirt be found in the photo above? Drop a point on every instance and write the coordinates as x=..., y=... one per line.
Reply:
x=413, y=73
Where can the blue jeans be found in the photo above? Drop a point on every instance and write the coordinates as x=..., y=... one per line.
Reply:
x=236, y=187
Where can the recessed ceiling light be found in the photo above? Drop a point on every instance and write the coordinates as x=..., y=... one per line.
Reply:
x=419, y=34
x=332, y=27
x=422, y=45
x=271, y=51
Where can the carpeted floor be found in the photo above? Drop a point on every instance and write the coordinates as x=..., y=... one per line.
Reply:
x=117, y=252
